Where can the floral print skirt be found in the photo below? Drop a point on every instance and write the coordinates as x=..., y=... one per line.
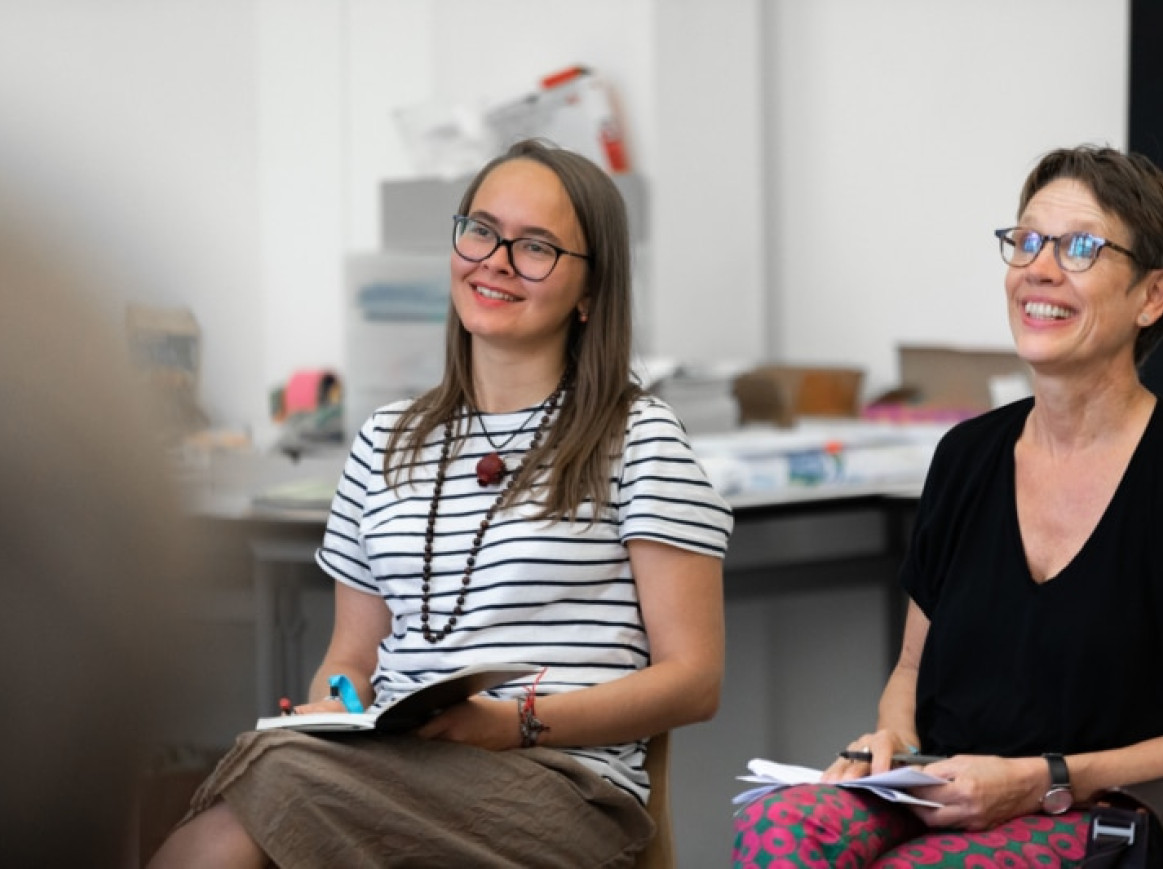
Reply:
x=825, y=826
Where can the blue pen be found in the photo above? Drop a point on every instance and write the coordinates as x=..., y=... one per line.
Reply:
x=343, y=691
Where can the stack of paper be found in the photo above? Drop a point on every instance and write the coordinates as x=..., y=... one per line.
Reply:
x=891, y=785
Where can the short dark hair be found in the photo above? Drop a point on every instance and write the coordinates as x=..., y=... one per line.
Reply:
x=1127, y=185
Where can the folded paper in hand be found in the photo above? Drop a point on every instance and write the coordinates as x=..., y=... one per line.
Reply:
x=889, y=785
x=409, y=711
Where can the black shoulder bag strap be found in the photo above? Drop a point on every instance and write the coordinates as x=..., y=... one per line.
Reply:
x=1124, y=828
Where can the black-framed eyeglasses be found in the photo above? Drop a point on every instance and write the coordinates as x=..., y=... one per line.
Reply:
x=1073, y=251
x=531, y=258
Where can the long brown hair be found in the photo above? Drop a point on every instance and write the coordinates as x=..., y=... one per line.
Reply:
x=591, y=422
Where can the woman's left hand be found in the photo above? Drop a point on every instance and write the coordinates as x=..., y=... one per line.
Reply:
x=982, y=791
x=479, y=721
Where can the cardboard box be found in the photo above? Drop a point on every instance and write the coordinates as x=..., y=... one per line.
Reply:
x=780, y=393
x=950, y=383
x=952, y=377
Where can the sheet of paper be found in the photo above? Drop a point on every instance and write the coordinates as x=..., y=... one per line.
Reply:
x=889, y=785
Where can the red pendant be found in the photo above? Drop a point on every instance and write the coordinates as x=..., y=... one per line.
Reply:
x=491, y=470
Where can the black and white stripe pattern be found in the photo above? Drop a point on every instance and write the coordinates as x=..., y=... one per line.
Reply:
x=558, y=595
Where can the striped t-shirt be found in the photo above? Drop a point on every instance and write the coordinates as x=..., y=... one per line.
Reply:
x=558, y=595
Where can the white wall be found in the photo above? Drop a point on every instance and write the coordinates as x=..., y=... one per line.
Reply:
x=686, y=77
x=128, y=134
x=707, y=289
x=298, y=55
x=227, y=154
x=899, y=135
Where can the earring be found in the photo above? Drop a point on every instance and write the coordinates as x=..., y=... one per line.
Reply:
x=583, y=316
x=1144, y=320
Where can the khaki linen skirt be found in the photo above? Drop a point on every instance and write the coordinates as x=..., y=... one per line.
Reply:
x=362, y=800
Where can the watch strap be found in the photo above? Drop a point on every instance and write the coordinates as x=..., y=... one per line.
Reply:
x=1059, y=771
x=1058, y=798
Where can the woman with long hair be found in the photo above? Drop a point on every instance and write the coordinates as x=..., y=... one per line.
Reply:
x=536, y=507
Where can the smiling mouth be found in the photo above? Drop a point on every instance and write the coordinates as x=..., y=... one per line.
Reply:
x=1046, y=311
x=495, y=294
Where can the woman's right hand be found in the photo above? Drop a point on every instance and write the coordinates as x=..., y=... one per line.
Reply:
x=882, y=745
x=327, y=704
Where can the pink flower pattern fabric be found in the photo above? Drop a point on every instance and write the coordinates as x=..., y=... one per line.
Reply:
x=825, y=827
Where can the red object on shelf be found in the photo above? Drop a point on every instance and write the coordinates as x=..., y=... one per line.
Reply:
x=307, y=391
x=583, y=117
x=568, y=74
x=615, y=149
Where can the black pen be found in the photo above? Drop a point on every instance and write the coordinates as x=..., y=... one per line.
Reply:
x=906, y=758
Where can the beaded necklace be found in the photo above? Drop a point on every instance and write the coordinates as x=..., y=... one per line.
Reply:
x=430, y=532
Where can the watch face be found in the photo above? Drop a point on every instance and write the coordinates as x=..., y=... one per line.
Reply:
x=1057, y=800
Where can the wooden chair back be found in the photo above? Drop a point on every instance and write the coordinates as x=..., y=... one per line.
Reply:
x=659, y=854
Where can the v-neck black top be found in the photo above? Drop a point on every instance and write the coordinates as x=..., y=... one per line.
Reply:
x=1013, y=667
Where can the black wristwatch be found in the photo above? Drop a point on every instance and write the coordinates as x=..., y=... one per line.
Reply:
x=1059, y=798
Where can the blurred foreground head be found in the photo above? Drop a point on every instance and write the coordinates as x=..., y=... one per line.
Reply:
x=90, y=550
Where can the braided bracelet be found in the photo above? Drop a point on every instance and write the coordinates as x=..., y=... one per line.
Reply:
x=531, y=726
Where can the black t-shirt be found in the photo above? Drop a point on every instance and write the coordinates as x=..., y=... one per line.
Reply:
x=1017, y=668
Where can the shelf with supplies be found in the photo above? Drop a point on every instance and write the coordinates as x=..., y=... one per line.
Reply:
x=752, y=467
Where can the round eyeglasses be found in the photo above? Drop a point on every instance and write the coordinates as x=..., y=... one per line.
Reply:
x=531, y=258
x=1073, y=251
